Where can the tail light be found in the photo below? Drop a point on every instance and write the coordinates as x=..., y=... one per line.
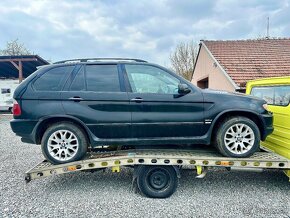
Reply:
x=16, y=109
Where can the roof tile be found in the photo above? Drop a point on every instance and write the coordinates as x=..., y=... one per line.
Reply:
x=244, y=60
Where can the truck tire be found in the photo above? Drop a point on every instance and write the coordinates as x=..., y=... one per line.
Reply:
x=238, y=137
x=64, y=142
x=157, y=181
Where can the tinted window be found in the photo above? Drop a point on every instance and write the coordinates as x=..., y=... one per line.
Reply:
x=53, y=80
x=274, y=95
x=102, y=78
x=148, y=79
x=78, y=83
x=5, y=91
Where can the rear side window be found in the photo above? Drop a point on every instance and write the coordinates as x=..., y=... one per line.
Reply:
x=52, y=80
x=102, y=78
x=274, y=95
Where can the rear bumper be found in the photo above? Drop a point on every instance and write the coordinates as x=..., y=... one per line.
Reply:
x=268, y=125
x=24, y=129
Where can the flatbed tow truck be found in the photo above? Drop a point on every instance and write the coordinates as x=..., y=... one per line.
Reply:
x=156, y=171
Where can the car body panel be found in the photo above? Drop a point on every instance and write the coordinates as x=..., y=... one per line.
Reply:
x=279, y=140
x=106, y=114
x=166, y=115
x=113, y=118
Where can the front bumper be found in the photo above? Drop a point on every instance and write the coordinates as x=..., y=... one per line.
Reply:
x=268, y=125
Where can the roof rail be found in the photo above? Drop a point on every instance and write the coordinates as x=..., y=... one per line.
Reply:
x=98, y=60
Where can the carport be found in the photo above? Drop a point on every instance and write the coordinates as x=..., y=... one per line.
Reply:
x=20, y=67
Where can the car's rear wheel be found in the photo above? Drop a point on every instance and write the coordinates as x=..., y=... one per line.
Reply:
x=238, y=137
x=64, y=142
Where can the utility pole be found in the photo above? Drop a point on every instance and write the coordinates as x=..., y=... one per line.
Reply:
x=268, y=26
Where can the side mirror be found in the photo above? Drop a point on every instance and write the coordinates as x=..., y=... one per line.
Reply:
x=183, y=89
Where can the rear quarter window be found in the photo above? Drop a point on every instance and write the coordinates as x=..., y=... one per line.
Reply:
x=53, y=79
x=274, y=95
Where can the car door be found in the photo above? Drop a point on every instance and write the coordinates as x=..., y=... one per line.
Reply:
x=157, y=108
x=97, y=97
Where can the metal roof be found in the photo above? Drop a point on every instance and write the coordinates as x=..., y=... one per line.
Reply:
x=7, y=70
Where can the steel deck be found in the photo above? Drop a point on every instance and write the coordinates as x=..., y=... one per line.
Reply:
x=194, y=158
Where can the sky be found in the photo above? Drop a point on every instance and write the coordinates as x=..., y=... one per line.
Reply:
x=150, y=30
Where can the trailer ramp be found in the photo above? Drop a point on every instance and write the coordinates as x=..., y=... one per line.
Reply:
x=190, y=158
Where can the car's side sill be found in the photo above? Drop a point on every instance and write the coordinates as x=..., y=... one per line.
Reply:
x=151, y=141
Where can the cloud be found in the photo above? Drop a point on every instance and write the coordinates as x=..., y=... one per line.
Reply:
x=141, y=29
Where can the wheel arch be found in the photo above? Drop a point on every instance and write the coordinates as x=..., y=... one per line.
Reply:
x=44, y=123
x=232, y=113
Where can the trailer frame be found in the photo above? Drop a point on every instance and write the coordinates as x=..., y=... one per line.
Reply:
x=199, y=160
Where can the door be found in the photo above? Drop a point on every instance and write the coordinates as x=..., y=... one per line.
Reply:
x=97, y=97
x=157, y=108
x=278, y=100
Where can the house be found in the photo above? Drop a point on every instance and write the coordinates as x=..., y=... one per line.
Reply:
x=228, y=65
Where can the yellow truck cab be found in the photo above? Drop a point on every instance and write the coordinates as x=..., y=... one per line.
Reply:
x=276, y=91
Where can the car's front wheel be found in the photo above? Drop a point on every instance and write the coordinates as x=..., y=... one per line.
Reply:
x=64, y=142
x=238, y=137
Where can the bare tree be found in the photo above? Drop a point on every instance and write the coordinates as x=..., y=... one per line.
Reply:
x=183, y=59
x=14, y=47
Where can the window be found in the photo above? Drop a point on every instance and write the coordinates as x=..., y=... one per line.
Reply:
x=274, y=95
x=5, y=91
x=102, y=78
x=203, y=84
x=53, y=79
x=149, y=79
x=78, y=83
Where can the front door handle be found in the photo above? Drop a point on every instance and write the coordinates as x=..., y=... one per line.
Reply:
x=75, y=98
x=137, y=100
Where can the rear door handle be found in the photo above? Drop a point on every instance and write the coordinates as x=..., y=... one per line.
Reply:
x=76, y=99
x=137, y=100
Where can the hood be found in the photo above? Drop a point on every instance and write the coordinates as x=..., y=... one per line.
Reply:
x=227, y=93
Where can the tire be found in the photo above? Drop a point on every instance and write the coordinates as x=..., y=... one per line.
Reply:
x=157, y=181
x=238, y=137
x=64, y=142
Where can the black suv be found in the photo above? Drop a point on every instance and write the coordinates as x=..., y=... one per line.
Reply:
x=71, y=106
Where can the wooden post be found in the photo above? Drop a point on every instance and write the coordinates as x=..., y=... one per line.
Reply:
x=20, y=72
x=18, y=66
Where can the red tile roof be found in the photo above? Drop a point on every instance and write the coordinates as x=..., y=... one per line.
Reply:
x=244, y=60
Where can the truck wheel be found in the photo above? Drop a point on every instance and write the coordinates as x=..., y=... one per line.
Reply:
x=64, y=142
x=157, y=181
x=238, y=137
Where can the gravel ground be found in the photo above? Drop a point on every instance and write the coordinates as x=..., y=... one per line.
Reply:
x=105, y=194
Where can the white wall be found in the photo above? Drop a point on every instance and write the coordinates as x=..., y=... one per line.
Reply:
x=205, y=68
x=11, y=84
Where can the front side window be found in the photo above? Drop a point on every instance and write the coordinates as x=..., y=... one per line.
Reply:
x=102, y=78
x=274, y=95
x=149, y=79
x=52, y=80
